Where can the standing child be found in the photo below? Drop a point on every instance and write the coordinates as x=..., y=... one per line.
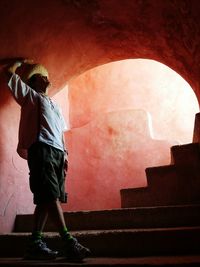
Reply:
x=41, y=142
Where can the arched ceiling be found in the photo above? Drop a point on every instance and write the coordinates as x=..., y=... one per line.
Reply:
x=71, y=36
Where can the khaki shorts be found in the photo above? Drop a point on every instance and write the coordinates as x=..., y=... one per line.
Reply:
x=47, y=179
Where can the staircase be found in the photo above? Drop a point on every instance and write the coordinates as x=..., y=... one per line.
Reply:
x=158, y=225
x=174, y=184
x=130, y=236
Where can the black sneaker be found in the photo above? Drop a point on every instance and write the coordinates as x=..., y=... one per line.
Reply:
x=74, y=251
x=38, y=250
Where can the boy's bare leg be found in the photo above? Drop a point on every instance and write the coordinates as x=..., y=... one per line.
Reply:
x=54, y=210
x=40, y=217
x=37, y=249
x=56, y=215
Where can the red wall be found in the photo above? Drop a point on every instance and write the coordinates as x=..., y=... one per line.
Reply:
x=111, y=142
x=14, y=192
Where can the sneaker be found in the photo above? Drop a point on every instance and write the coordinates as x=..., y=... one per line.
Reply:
x=74, y=251
x=38, y=250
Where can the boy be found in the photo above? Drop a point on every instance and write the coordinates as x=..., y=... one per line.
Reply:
x=41, y=142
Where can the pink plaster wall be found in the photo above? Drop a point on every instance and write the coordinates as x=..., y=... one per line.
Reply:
x=136, y=84
x=14, y=190
x=112, y=139
x=108, y=148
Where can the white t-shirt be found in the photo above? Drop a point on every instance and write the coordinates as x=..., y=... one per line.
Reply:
x=41, y=119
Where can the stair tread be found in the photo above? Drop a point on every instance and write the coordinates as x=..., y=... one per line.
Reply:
x=182, y=260
x=141, y=217
x=161, y=168
x=131, y=230
x=187, y=154
x=125, y=209
x=116, y=242
x=186, y=145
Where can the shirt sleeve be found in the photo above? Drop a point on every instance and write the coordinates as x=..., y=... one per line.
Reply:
x=20, y=91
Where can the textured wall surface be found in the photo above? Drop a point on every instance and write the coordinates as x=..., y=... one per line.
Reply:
x=72, y=36
x=110, y=153
x=117, y=111
x=14, y=190
x=136, y=84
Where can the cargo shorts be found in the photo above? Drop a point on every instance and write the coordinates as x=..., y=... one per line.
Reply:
x=47, y=178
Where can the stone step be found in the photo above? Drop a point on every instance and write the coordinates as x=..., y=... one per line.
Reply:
x=146, y=217
x=167, y=185
x=188, y=154
x=117, y=243
x=164, y=261
x=174, y=185
x=173, y=176
x=136, y=197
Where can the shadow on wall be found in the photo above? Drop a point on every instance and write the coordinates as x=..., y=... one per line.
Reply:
x=108, y=154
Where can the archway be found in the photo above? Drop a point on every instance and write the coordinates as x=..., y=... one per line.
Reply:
x=113, y=139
